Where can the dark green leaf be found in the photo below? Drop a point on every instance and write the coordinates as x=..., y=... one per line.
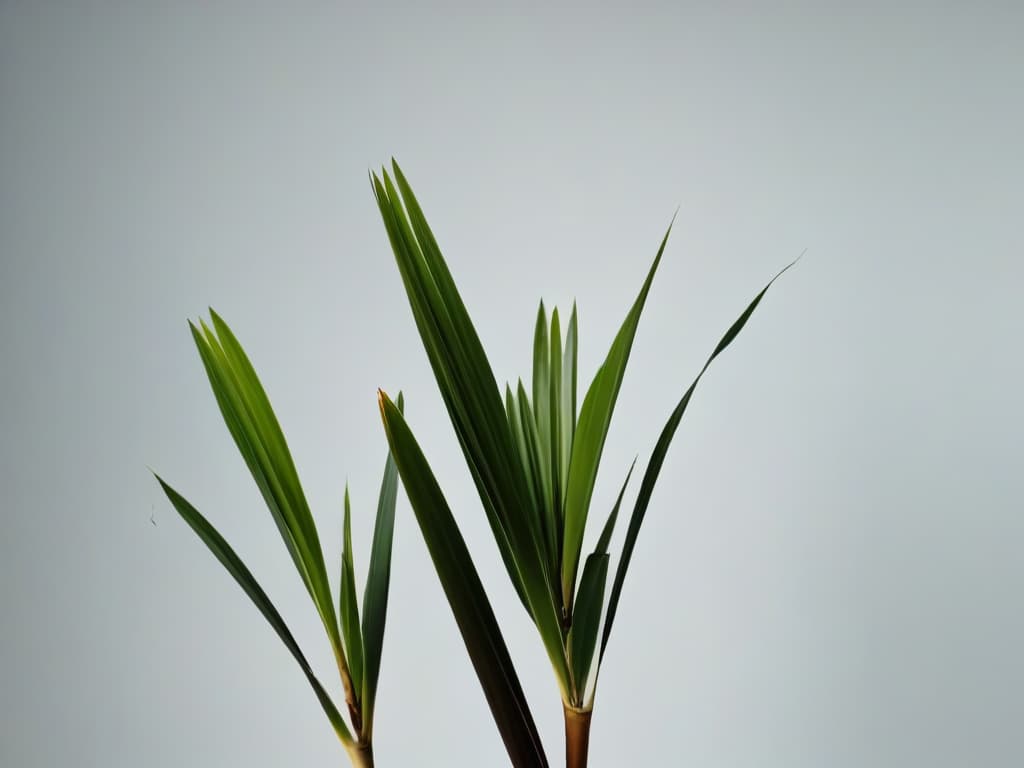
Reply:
x=591, y=430
x=568, y=407
x=470, y=606
x=351, y=631
x=474, y=404
x=586, y=621
x=658, y=458
x=609, y=526
x=554, y=502
x=542, y=404
x=234, y=565
x=378, y=580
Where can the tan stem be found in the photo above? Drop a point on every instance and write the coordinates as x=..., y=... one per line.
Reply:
x=577, y=736
x=361, y=755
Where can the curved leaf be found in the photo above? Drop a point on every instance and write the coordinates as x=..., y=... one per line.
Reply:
x=253, y=425
x=234, y=565
x=658, y=458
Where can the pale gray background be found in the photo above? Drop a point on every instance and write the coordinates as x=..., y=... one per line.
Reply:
x=831, y=571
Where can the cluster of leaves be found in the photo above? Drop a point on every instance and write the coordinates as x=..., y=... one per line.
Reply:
x=357, y=643
x=534, y=456
x=534, y=463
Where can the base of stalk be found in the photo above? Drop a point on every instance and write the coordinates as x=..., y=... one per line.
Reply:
x=361, y=755
x=577, y=736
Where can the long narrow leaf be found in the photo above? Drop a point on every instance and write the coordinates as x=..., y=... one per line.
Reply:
x=351, y=630
x=554, y=501
x=241, y=574
x=609, y=526
x=470, y=606
x=568, y=408
x=254, y=426
x=441, y=342
x=474, y=403
x=542, y=403
x=658, y=458
x=592, y=429
x=378, y=581
x=587, y=621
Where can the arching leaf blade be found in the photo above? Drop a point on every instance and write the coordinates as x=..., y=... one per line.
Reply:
x=244, y=578
x=658, y=459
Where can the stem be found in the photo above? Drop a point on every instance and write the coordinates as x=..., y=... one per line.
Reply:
x=577, y=736
x=361, y=755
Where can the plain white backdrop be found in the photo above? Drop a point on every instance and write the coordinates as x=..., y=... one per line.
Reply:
x=830, y=572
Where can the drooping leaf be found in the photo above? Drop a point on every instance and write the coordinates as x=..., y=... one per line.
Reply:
x=470, y=606
x=586, y=621
x=241, y=574
x=378, y=580
x=351, y=630
x=591, y=430
x=658, y=458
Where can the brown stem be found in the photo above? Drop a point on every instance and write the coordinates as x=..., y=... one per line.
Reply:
x=361, y=755
x=577, y=736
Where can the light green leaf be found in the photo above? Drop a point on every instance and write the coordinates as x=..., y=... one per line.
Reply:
x=251, y=421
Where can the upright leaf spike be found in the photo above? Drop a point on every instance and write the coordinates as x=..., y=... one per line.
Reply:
x=534, y=462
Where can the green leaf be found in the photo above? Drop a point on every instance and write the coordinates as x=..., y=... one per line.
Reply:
x=554, y=501
x=586, y=621
x=474, y=404
x=658, y=458
x=568, y=407
x=378, y=580
x=234, y=565
x=351, y=631
x=542, y=404
x=457, y=370
x=533, y=448
x=253, y=425
x=591, y=430
x=609, y=526
x=470, y=606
